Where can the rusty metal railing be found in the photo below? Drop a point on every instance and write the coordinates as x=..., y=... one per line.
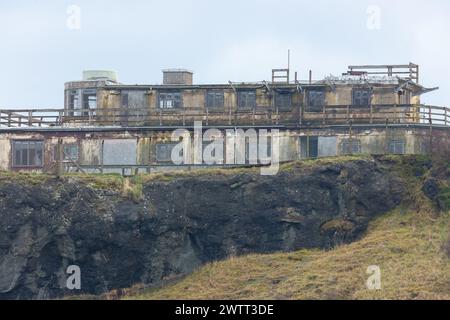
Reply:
x=297, y=115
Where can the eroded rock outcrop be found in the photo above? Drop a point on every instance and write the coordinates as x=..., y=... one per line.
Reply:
x=179, y=224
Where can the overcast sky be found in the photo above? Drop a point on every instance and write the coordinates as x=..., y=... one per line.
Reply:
x=42, y=45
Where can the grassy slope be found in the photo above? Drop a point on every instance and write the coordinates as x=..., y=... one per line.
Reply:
x=407, y=244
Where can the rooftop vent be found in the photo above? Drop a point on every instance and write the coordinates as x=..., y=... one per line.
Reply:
x=99, y=75
x=177, y=76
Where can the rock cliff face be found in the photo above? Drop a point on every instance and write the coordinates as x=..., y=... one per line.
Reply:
x=179, y=224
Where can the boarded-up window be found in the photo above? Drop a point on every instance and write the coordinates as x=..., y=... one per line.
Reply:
x=361, y=97
x=283, y=100
x=27, y=153
x=214, y=99
x=119, y=151
x=246, y=99
x=170, y=100
x=350, y=146
x=397, y=146
x=316, y=101
x=164, y=152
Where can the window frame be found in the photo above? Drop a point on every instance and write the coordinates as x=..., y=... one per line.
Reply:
x=316, y=107
x=313, y=151
x=175, y=100
x=360, y=102
x=66, y=145
x=14, y=164
x=346, y=145
x=215, y=93
x=396, y=143
x=282, y=106
x=246, y=93
x=170, y=155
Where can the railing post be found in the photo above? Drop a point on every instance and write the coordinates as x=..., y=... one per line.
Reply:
x=348, y=114
x=160, y=117
x=9, y=119
x=30, y=121
x=323, y=115
x=445, y=116
x=229, y=116
x=207, y=115
x=300, y=109
x=429, y=115
x=183, y=116
x=90, y=116
x=395, y=113
x=371, y=114
x=60, y=158
x=277, y=116
x=253, y=116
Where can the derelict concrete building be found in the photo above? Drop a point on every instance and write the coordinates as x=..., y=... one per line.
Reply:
x=107, y=126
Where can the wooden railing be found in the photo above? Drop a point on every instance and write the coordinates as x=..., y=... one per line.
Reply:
x=228, y=116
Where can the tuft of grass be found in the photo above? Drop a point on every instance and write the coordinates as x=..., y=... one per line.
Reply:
x=132, y=188
x=110, y=181
x=25, y=177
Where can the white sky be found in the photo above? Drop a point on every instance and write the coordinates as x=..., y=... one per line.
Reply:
x=220, y=41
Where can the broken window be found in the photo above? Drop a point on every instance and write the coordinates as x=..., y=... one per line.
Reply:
x=397, y=147
x=361, y=97
x=350, y=146
x=70, y=152
x=170, y=100
x=246, y=99
x=316, y=101
x=90, y=101
x=214, y=99
x=27, y=153
x=164, y=152
x=283, y=100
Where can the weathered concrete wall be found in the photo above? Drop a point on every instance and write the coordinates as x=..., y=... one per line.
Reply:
x=139, y=147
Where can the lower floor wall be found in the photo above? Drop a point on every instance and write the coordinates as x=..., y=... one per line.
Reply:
x=153, y=150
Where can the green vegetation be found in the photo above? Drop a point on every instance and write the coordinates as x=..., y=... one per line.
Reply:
x=444, y=197
x=28, y=178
